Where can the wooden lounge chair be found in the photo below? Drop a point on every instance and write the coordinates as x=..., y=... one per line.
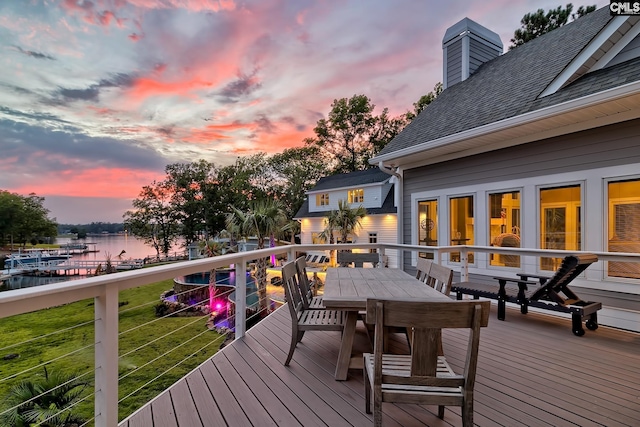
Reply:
x=423, y=377
x=309, y=301
x=551, y=294
x=305, y=320
x=358, y=259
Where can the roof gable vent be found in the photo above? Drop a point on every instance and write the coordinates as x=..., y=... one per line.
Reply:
x=467, y=45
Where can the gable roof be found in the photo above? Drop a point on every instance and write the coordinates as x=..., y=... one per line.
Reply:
x=351, y=179
x=500, y=104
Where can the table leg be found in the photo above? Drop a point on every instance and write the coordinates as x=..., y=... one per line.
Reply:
x=344, y=357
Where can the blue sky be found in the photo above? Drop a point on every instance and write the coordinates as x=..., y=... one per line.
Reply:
x=96, y=97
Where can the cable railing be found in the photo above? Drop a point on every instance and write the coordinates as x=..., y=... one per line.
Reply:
x=115, y=354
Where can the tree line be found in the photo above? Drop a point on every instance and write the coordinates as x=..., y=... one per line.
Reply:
x=24, y=219
x=194, y=199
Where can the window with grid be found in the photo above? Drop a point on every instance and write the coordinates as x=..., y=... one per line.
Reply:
x=356, y=196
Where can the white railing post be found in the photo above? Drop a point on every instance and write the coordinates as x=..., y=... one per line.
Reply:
x=241, y=298
x=464, y=265
x=106, y=357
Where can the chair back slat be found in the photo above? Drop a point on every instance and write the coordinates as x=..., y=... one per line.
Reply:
x=306, y=292
x=291, y=289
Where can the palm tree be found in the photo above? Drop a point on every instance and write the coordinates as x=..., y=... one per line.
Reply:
x=349, y=220
x=344, y=221
x=43, y=401
x=264, y=219
x=328, y=234
x=211, y=248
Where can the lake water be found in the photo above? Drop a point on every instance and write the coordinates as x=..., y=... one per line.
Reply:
x=105, y=245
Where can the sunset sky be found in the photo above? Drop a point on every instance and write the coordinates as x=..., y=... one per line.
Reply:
x=97, y=97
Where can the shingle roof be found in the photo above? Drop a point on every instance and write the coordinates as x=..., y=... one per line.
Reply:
x=510, y=84
x=386, y=208
x=352, y=179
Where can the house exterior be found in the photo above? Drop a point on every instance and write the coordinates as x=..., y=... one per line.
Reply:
x=538, y=148
x=371, y=188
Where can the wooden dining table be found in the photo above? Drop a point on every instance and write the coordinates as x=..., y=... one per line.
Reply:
x=348, y=289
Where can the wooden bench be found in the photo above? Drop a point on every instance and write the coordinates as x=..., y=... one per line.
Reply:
x=358, y=259
x=551, y=293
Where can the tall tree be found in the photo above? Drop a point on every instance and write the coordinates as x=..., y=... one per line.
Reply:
x=294, y=171
x=188, y=183
x=345, y=133
x=153, y=218
x=263, y=220
x=535, y=24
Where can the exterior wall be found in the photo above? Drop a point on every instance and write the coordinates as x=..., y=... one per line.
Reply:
x=373, y=197
x=587, y=158
x=383, y=225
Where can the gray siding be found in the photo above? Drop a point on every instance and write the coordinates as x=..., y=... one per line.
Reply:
x=454, y=63
x=479, y=53
x=607, y=146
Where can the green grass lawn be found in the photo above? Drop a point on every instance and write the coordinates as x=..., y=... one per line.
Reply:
x=137, y=308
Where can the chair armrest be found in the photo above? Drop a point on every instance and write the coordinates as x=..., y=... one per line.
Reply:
x=542, y=279
x=512, y=280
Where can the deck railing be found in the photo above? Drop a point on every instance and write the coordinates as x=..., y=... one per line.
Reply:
x=105, y=290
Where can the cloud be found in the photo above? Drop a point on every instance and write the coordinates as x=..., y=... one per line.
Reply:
x=92, y=93
x=33, y=54
x=243, y=85
x=41, y=149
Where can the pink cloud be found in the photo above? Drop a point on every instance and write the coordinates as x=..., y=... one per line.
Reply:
x=192, y=5
x=105, y=182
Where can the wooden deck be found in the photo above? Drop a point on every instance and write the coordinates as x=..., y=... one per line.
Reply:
x=532, y=371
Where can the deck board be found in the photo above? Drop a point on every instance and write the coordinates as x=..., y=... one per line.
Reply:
x=532, y=371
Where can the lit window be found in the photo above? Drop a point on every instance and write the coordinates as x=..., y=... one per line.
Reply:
x=560, y=222
x=322, y=199
x=461, y=224
x=504, y=226
x=624, y=225
x=373, y=238
x=356, y=196
x=427, y=225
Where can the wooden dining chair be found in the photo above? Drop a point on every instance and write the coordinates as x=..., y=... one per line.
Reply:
x=440, y=278
x=302, y=319
x=309, y=300
x=423, y=377
x=423, y=266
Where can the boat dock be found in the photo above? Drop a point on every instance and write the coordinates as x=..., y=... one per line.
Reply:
x=70, y=268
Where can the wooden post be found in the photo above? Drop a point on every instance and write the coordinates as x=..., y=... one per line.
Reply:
x=106, y=357
x=464, y=265
x=241, y=298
